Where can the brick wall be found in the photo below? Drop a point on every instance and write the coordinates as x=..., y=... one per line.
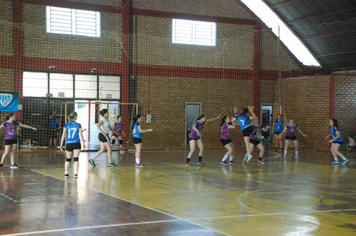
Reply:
x=345, y=103
x=168, y=118
x=6, y=28
x=306, y=100
x=39, y=44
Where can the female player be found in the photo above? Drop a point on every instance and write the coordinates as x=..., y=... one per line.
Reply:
x=247, y=129
x=255, y=139
x=194, y=138
x=75, y=135
x=104, y=129
x=136, y=138
x=118, y=128
x=290, y=137
x=226, y=128
x=336, y=142
x=10, y=125
x=277, y=128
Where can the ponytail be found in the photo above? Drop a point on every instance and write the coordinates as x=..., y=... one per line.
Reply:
x=223, y=120
x=135, y=118
x=244, y=111
x=72, y=116
x=200, y=117
x=9, y=115
x=102, y=112
x=335, y=123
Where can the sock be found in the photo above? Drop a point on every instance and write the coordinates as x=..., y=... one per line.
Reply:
x=66, y=172
x=200, y=159
x=138, y=160
x=188, y=160
x=285, y=152
x=224, y=158
x=260, y=158
x=296, y=152
x=344, y=158
x=231, y=157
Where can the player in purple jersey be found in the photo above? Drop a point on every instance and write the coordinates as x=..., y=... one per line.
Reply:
x=226, y=128
x=289, y=130
x=336, y=142
x=10, y=125
x=255, y=139
x=118, y=128
x=194, y=138
x=75, y=135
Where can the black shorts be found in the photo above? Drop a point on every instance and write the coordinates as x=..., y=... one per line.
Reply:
x=54, y=133
x=116, y=135
x=103, y=139
x=225, y=141
x=136, y=140
x=10, y=141
x=73, y=146
x=339, y=142
x=277, y=132
x=291, y=138
x=190, y=139
x=246, y=132
x=255, y=142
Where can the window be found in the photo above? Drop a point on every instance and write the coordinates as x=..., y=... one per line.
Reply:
x=35, y=84
x=109, y=87
x=86, y=86
x=72, y=21
x=61, y=85
x=194, y=32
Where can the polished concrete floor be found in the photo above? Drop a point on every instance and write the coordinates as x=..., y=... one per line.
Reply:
x=286, y=196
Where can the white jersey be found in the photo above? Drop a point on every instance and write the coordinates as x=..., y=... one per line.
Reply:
x=105, y=127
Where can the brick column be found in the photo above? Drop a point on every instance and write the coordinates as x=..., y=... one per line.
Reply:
x=257, y=69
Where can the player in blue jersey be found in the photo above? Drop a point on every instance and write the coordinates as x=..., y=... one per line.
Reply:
x=244, y=122
x=336, y=142
x=74, y=138
x=277, y=128
x=136, y=138
x=195, y=138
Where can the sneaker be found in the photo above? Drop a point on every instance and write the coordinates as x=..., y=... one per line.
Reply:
x=122, y=151
x=66, y=175
x=244, y=162
x=232, y=162
x=201, y=163
x=297, y=156
x=14, y=166
x=112, y=164
x=138, y=165
x=224, y=163
x=335, y=162
x=188, y=164
x=344, y=161
x=91, y=162
x=248, y=158
x=1, y=165
x=75, y=176
x=261, y=161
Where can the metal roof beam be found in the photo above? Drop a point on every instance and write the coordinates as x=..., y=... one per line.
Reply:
x=321, y=15
x=334, y=53
x=284, y=3
x=317, y=36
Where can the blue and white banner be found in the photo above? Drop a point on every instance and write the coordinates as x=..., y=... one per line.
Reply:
x=9, y=101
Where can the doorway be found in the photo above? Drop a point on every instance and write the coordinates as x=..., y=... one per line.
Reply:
x=192, y=111
x=268, y=115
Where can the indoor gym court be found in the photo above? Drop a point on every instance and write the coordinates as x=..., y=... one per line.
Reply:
x=286, y=196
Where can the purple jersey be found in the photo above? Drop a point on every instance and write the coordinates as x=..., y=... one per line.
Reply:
x=118, y=127
x=225, y=131
x=11, y=129
x=291, y=130
x=199, y=126
x=257, y=131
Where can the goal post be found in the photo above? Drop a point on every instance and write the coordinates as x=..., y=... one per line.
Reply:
x=89, y=116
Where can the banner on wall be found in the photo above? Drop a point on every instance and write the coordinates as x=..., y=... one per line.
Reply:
x=9, y=101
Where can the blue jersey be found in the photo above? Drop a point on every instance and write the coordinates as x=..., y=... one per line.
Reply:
x=73, y=129
x=334, y=131
x=244, y=121
x=278, y=127
x=54, y=122
x=136, y=132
